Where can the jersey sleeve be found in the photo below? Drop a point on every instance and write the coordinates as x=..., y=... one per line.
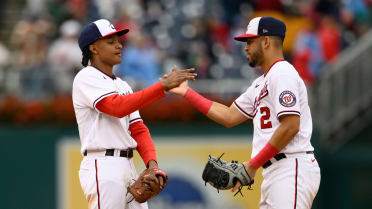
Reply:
x=285, y=95
x=244, y=103
x=134, y=117
x=93, y=88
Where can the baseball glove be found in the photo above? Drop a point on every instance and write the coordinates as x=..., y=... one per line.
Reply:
x=224, y=175
x=147, y=185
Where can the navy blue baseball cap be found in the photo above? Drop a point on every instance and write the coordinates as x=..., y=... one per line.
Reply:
x=263, y=26
x=97, y=30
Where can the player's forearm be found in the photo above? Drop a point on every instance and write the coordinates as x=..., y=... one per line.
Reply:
x=213, y=110
x=123, y=105
x=288, y=128
x=145, y=146
x=220, y=114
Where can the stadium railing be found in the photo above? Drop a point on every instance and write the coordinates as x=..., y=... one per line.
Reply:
x=341, y=99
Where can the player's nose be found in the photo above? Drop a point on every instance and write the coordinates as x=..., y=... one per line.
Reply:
x=246, y=48
x=119, y=45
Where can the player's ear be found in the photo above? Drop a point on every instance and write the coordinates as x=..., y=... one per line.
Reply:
x=93, y=49
x=266, y=42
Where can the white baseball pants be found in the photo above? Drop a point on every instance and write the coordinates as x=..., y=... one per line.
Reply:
x=292, y=182
x=104, y=180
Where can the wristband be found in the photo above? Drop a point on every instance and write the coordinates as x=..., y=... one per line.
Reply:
x=201, y=103
x=263, y=156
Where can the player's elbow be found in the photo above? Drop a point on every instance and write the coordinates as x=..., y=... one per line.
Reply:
x=293, y=127
x=228, y=124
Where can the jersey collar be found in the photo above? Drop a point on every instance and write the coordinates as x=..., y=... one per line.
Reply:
x=113, y=77
x=279, y=60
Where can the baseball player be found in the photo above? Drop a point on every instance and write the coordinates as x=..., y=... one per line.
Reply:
x=109, y=123
x=278, y=105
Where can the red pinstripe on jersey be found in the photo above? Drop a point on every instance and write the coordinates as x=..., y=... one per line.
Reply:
x=295, y=199
x=99, y=202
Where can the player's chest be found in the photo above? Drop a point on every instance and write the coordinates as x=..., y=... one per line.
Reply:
x=262, y=107
x=261, y=95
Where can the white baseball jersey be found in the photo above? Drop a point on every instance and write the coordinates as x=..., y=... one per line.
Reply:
x=281, y=91
x=100, y=131
x=104, y=180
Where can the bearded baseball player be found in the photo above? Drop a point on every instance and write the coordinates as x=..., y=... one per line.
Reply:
x=110, y=126
x=277, y=102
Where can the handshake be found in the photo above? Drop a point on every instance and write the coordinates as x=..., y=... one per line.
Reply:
x=177, y=78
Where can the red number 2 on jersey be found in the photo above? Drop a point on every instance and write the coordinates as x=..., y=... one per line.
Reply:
x=265, y=111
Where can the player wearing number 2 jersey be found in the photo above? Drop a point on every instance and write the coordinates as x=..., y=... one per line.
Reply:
x=277, y=102
x=279, y=92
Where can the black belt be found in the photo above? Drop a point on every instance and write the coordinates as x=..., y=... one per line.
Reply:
x=279, y=157
x=123, y=153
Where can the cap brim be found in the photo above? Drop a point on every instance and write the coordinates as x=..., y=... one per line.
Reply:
x=118, y=32
x=245, y=37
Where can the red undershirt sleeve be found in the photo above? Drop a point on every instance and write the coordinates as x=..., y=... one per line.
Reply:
x=123, y=105
x=145, y=145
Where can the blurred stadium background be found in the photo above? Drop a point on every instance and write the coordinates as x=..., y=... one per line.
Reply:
x=328, y=41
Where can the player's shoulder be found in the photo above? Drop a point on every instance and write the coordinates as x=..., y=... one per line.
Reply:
x=88, y=73
x=284, y=68
x=124, y=84
x=82, y=73
x=258, y=80
x=255, y=82
x=120, y=80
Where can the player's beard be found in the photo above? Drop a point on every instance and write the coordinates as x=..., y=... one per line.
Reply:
x=256, y=57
